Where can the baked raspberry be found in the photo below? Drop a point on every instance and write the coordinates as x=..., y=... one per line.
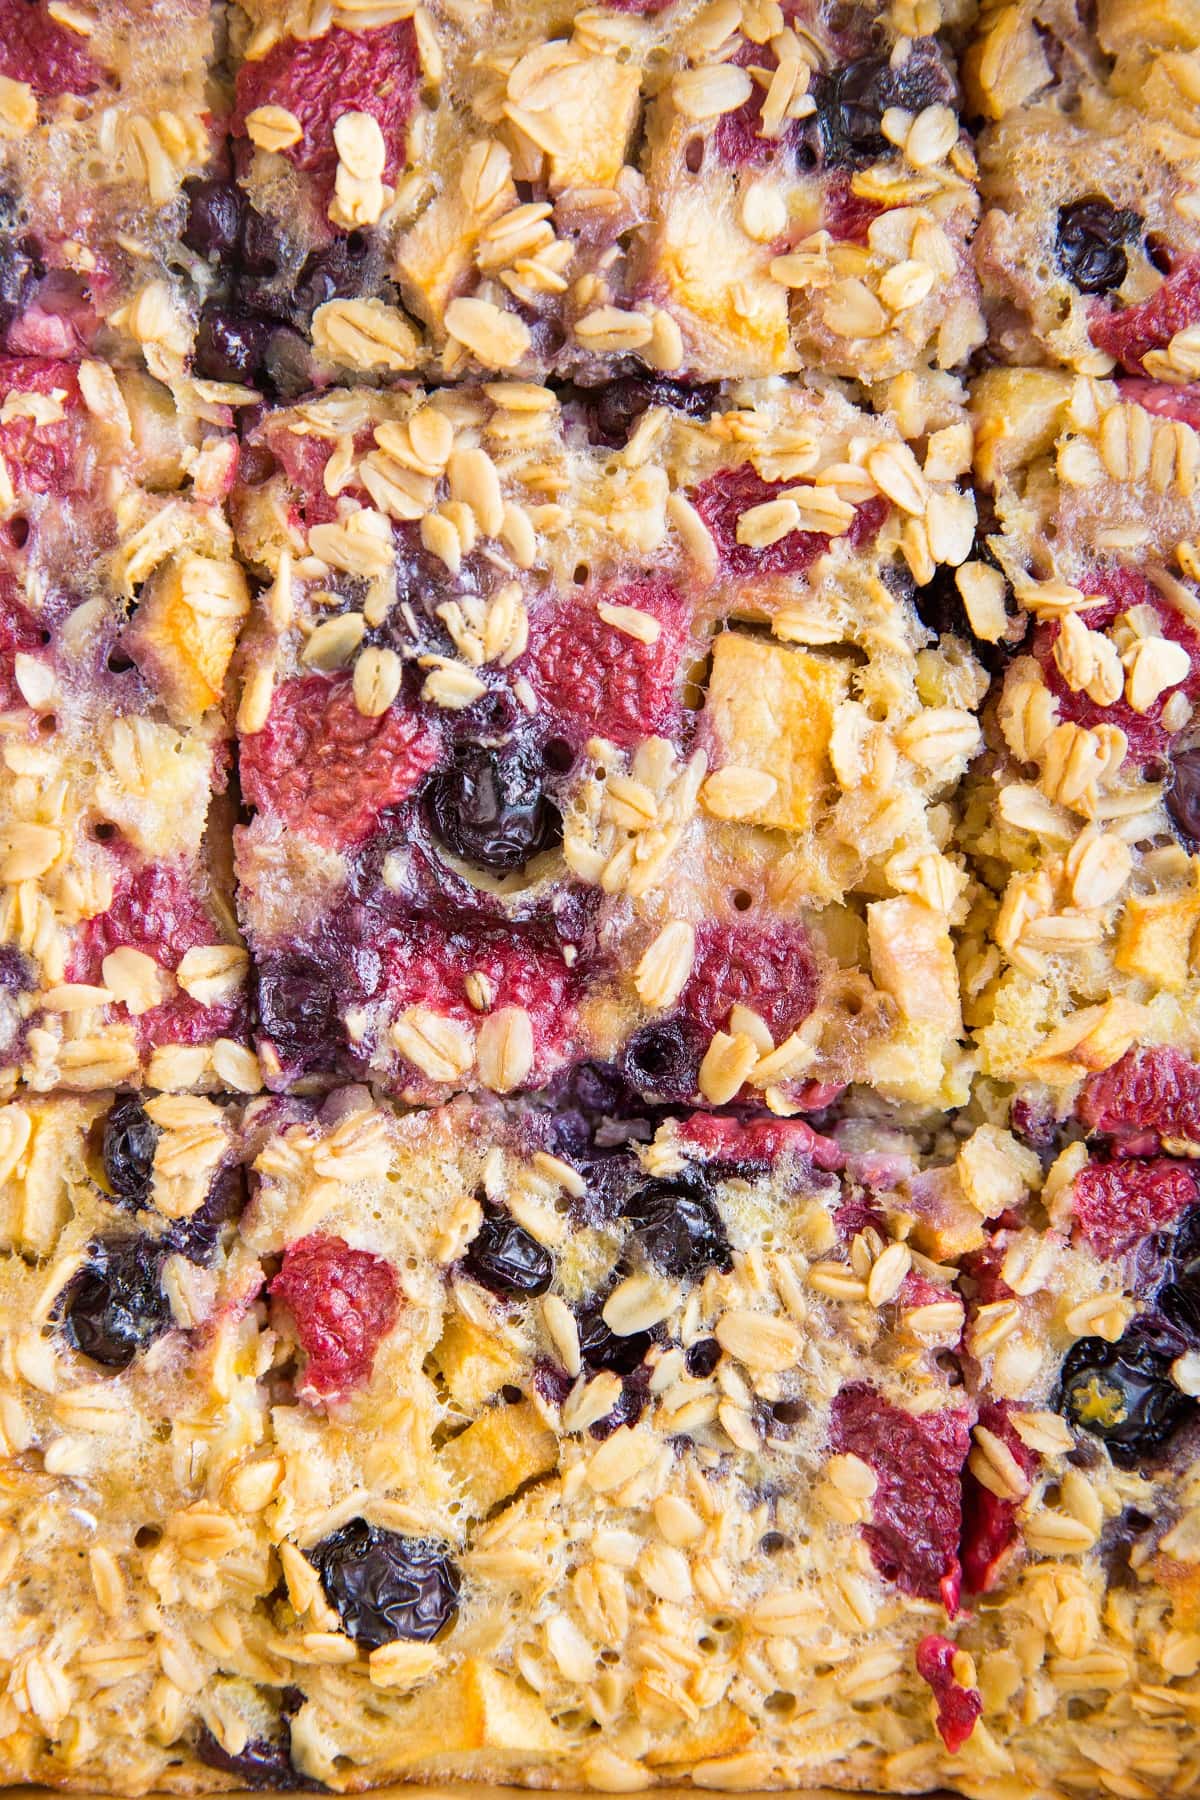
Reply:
x=35, y=48
x=594, y=680
x=989, y=1529
x=343, y=1302
x=320, y=78
x=158, y=911
x=723, y=498
x=1146, y=1098
x=735, y=1140
x=326, y=769
x=737, y=139
x=848, y=217
x=917, y=1508
x=1128, y=334
x=957, y=1707
x=1117, y=1203
x=769, y=969
x=40, y=458
x=1121, y=589
x=1165, y=402
x=18, y=632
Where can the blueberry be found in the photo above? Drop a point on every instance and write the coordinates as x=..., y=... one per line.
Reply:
x=115, y=1305
x=298, y=1008
x=262, y=1764
x=232, y=345
x=679, y=1228
x=130, y=1140
x=262, y=253
x=663, y=1060
x=702, y=1357
x=601, y=1348
x=197, y=1236
x=384, y=1586
x=1091, y=240
x=1123, y=1394
x=214, y=220
x=337, y=272
x=21, y=268
x=851, y=101
x=613, y=410
x=504, y=1257
x=1183, y=795
x=488, y=806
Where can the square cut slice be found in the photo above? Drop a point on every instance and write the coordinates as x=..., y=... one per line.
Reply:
x=572, y=737
x=661, y=191
x=120, y=606
x=110, y=145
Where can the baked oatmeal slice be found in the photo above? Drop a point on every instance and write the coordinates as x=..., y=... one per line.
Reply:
x=634, y=749
x=1089, y=246
x=475, y=1444
x=694, y=191
x=110, y=120
x=120, y=605
x=1083, y=822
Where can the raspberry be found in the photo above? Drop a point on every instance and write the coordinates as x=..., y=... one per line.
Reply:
x=1128, y=334
x=914, y=1534
x=1118, y=1203
x=957, y=1707
x=327, y=770
x=848, y=217
x=1165, y=402
x=318, y=79
x=732, y=1140
x=1149, y=1096
x=19, y=631
x=769, y=970
x=37, y=49
x=343, y=1302
x=989, y=1529
x=723, y=498
x=39, y=458
x=736, y=138
x=158, y=910
x=594, y=680
x=1121, y=589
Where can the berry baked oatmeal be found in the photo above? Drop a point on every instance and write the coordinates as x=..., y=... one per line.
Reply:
x=348, y=1447
x=109, y=114
x=707, y=191
x=567, y=741
x=120, y=604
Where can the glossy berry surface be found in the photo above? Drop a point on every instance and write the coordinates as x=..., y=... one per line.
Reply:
x=129, y=1142
x=1117, y=1203
x=723, y=498
x=1090, y=243
x=214, y=217
x=298, y=1011
x=232, y=344
x=917, y=1508
x=679, y=1228
x=488, y=805
x=262, y=1765
x=343, y=1302
x=115, y=1306
x=852, y=100
x=1123, y=1394
x=1183, y=795
x=507, y=1259
x=602, y=1348
x=613, y=410
x=1146, y=1096
x=957, y=1707
x=326, y=769
x=384, y=1586
x=989, y=1528
x=662, y=1060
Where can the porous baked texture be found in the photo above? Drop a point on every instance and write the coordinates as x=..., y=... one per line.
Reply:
x=599, y=921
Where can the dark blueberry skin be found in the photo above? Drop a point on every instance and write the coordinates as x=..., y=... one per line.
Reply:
x=1123, y=1394
x=489, y=806
x=232, y=345
x=298, y=1008
x=852, y=100
x=214, y=221
x=197, y=1236
x=613, y=410
x=115, y=1306
x=265, y=1764
x=1090, y=243
x=662, y=1060
x=130, y=1140
x=506, y=1259
x=679, y=1228
x=384, y=1586
x=601, y=1348
x=701, y=1358
x=1183, y=795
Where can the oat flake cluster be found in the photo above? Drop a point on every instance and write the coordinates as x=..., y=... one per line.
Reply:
x=600, y=895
